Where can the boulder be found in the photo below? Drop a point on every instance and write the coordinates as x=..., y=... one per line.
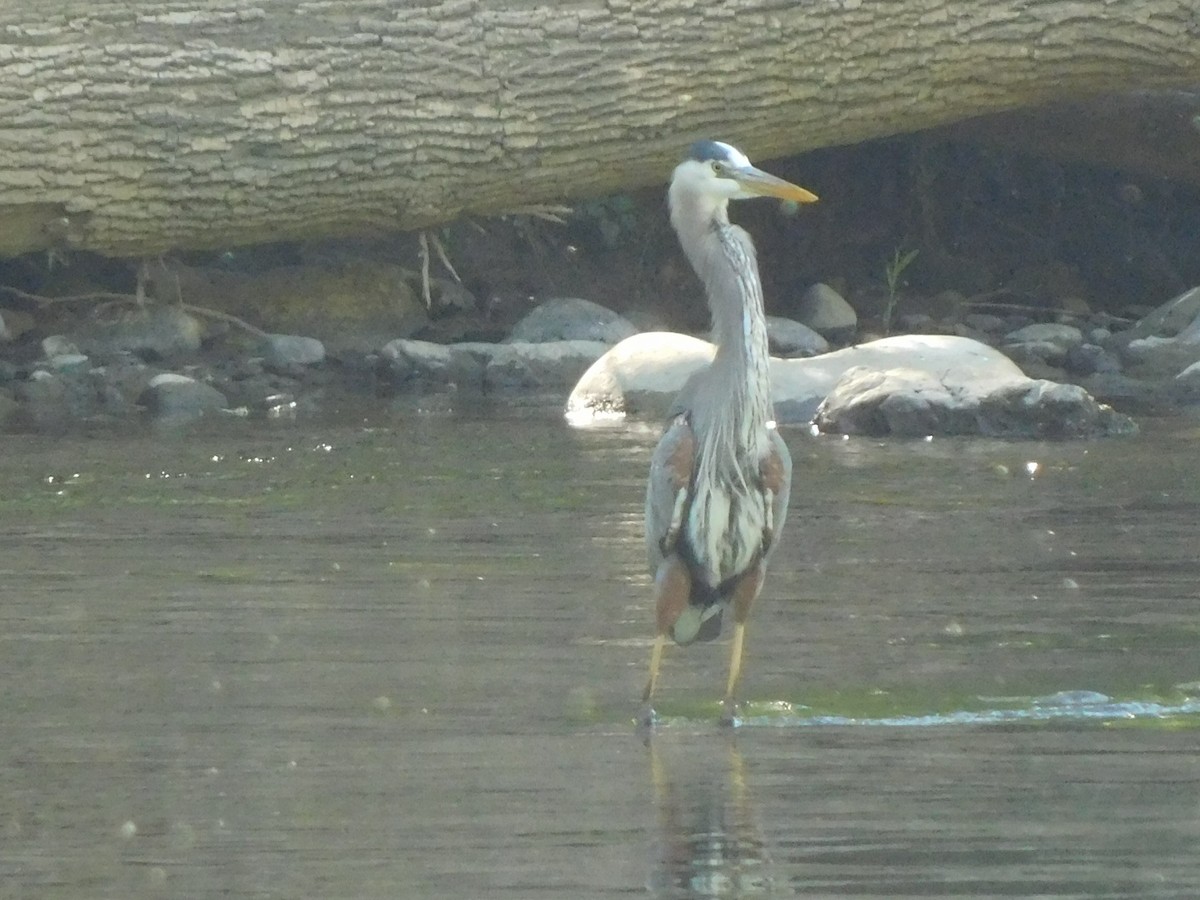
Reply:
x=285, y=351
x=157, y=332
x=499, y=368
x=1065, y=336
x=551, y=366
x=1186, y=386
x=1091, y=359
x=571, y=319
x=1170, y=319
x=1042, y=344
x=787, y=338
x=639, y=376
x=175, y=398
x=913, y=403
x=427, y=364
x=939, y=380
x=54, y=400
x=826, y=311
x=1159, y=357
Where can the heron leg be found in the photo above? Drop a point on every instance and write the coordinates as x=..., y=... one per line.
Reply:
x=743, y=597
x=655, y=660
x=672, y=588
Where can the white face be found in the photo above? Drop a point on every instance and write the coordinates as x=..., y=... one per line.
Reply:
x=709, y=176
x=737, y=158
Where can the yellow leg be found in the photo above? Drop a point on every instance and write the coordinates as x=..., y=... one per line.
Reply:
x=735, y=673
x=672, y=587
x=655, y=660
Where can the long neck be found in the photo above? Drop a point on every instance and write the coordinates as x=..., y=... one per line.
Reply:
x=737, y=387
x=742, y=363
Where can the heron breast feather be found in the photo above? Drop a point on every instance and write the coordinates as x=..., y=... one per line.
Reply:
x=725, y=531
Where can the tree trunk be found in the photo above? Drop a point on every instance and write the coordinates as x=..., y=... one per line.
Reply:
x=133, y=127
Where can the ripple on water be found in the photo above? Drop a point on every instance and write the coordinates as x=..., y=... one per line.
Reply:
x=1063, y=706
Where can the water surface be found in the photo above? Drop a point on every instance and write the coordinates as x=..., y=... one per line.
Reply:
x=399, y=656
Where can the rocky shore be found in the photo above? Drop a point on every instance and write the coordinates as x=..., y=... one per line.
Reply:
x=984, y=372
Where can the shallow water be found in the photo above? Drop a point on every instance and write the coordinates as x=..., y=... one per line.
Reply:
x=400, y=657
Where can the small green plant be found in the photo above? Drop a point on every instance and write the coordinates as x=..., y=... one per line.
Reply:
x=893, y=271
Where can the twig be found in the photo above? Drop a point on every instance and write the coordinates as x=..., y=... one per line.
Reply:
x=423, y=253
x=424, y=239
x=440, y=250
x=544, y=211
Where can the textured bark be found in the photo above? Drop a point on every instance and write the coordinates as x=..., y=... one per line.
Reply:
x=133, y=127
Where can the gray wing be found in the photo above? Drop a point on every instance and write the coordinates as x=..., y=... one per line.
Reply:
x=777, y=477
x=666, y=491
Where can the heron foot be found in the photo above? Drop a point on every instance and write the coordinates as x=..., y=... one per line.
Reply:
x=730, y=714
x=648, y=718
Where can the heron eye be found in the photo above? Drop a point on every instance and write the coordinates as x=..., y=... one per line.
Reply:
x=718, y=167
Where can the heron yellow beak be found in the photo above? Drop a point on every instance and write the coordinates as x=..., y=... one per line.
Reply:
x=764, y=184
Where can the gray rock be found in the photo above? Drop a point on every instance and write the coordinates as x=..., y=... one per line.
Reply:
x=911, y=403
x=14, y=323
x=987, y=323
x=1117, y=387
x=499, y=368
x=825, y=311
x=1064, y=336
x=68, y=362
x=1041, y=349
x=787, y=337
x=120, y=382
x=571, y=319
x=284, y=351
x=156, y=331
x=174, y=397
x=426, y=364
x=1045, y=409
x=1186, y=385
x=58, y=345
x=1027, y=353
x=1169, y=319
x=56, y=400
x=1190, y=375
x=1089, y=359
x=553, y=366
x=1162, y=357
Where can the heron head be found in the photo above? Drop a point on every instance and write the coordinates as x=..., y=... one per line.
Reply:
x=723, y=172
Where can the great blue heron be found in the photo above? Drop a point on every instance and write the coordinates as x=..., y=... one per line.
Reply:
x=720, y=476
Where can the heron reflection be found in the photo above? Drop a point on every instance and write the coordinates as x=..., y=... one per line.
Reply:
x=710, y=842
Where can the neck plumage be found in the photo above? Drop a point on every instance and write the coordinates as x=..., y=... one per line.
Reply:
x=737, y=386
